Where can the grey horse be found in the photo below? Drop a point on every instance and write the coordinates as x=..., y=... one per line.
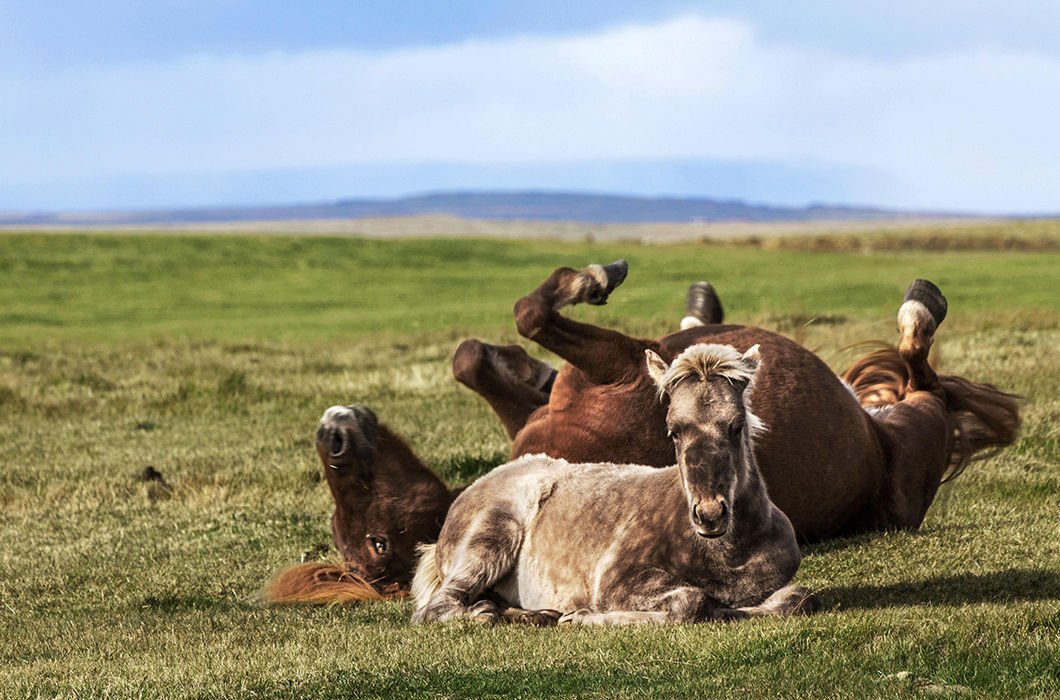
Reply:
x=541, y=540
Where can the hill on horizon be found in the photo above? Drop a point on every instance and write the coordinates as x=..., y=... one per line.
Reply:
x=529, y=205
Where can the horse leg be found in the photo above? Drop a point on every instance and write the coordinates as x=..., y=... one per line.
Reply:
x=688, y=604
x=702, y=306
x=484, y=556
x=789, y=600
x=536, y=618
x=603, y=355
x=615, y=618
x=920, y=315
x=512, y=382
x=671, y=604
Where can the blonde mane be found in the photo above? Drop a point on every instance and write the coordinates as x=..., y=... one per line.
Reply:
x=704, y=361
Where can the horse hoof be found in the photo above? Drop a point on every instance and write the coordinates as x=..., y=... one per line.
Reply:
x=598, y=281
x=616, y=274
x=930, y=296
x=728, y=615
x=702, y=306
x=807, y=604
x=535, y=618
x=575, y=617
x=486, y=618
x=543, y=618
x=484, y=612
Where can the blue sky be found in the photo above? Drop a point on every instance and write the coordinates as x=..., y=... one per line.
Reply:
x=941, y=105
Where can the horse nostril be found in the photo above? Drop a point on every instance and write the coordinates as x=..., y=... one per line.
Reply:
x=337, y=443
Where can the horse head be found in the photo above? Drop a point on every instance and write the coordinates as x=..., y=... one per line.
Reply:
x=711, y=425
x=386, y=500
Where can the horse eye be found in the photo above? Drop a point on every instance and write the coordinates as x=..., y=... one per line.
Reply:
x=671, y=434
x=378, y=544
x=736, y=427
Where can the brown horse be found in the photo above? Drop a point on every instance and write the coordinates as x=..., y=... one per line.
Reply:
x=386, y=503
x=865, y=452
x=621, y=544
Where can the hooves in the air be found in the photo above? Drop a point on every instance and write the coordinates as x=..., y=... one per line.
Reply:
x=930, y=296
x=923, y=309
x=702, y=306
x=603, y=280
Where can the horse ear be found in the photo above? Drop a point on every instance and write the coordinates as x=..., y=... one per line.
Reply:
x=656, y=367
x=752, y=359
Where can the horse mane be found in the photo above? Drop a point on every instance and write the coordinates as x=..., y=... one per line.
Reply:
x=321, y=583
x=984, y=416
x=704, y=361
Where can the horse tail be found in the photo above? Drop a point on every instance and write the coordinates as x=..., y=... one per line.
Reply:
x=428, y=578
x=984, y=417
x=880, y=378
x=321, y=582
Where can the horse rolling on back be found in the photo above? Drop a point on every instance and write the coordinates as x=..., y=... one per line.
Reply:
x=609, y=544
x=386, y=502
x=837, y=462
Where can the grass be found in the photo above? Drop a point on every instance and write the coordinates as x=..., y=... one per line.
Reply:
x=210, y=358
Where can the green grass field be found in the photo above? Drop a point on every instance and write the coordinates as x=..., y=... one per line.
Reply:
x=211, y=358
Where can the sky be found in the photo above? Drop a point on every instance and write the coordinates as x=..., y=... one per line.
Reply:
x=941, y=106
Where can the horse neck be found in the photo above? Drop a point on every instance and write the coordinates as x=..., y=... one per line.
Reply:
x=397, y=476
x=399, y=471
x=752, y=506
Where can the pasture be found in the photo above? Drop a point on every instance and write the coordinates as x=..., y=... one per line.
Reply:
x=210, y=359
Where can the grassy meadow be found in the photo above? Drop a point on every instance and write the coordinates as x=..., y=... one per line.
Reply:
x=210, y=358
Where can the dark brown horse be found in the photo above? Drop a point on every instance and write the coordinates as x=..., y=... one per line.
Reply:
x=865, y=452
x=386, y=503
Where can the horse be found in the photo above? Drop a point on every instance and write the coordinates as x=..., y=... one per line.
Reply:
x=542, y=540
x=862, y=452
x=386, y=503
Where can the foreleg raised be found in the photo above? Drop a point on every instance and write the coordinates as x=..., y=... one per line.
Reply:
x=605, y=356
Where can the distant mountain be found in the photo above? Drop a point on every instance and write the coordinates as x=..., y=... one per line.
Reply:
x=549, y=206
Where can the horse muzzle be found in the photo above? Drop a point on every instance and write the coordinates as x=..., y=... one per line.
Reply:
x=710, y=518
x=346, y=433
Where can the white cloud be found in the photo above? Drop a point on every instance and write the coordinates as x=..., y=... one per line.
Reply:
x=972, y=129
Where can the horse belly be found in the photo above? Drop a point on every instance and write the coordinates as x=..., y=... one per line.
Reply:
x=536, y=587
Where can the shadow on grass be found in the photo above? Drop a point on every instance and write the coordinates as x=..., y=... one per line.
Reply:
x=999, y=587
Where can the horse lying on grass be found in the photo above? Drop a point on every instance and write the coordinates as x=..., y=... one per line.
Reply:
x=621, y=544
x=867, y=452
x=841, y=456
